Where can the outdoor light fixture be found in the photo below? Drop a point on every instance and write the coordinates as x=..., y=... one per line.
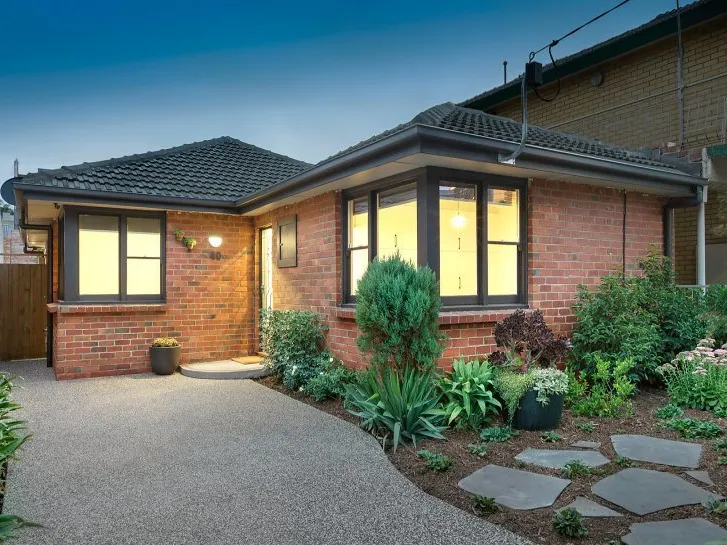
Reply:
x=215, y=241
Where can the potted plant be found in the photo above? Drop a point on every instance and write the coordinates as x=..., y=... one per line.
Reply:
x=179, y=235
x=528, y=382
x=190, y=242
x=166, y=354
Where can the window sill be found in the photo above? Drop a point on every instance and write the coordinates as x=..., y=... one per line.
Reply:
x=121, y=308
x=451, y=317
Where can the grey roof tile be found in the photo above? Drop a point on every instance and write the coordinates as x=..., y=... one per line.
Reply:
x=221, y=169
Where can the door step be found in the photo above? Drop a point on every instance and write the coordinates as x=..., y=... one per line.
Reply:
x=250, y=367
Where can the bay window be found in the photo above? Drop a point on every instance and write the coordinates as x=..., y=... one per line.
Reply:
x=467, y=227
x=113, y=256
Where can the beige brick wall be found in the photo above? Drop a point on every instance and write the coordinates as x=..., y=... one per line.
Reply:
x=636, y=106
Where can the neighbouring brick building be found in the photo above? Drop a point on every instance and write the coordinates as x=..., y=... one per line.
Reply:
x=626, y=91
x=273, y=231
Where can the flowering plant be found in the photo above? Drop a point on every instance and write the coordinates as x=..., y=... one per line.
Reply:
x=698, y=378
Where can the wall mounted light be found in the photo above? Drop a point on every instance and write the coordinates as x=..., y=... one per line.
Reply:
x=215, y=241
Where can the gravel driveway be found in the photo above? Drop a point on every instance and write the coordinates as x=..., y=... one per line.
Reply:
x=173, y=460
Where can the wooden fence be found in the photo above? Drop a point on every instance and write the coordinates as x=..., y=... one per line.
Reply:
x=23, y=312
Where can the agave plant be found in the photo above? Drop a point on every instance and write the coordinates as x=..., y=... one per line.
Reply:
x=469, y=394
x=400, y=406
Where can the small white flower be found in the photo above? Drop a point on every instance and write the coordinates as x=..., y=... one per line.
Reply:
x=330, y=360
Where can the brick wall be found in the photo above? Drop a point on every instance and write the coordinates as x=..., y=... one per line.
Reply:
x=575, y=233
x=209, y=307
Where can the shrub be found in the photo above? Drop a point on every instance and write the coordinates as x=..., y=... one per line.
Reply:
x=646, y=318
x=468, y=392
x=292, y=340
x=435, y=461
x=569, y=522
x=550, y=437
x=698, y=378
x=498, y=435
x=606, y=392
x=331, y=379
x=397, y=312
x=576, y=468
x=477, y=450
x=485, y=505
x=715, y=316
x=403, y=407
x=694, y=428
x=527, y=341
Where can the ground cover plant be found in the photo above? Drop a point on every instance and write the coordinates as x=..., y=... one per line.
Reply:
x=550, y=437
x=479, y=450
x=435, y=461
x=693, y=428
x=569, y=523
x=485, y=505
x=497, y=434
x=605, y=392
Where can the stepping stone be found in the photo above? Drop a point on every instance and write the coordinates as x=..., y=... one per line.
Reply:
x=587, y=444
x=657, y=451
x=674, y=532
x=644, y=491
x=557, y=459
x=514, y=488
x=701, y=476
x=588, y=508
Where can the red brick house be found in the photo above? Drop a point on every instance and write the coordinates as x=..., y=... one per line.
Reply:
x=273, y=231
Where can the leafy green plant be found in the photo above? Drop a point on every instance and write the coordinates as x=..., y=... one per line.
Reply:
x=576, y=468
x=716, y=507
x=479, y=450
x=722, y=460
x=549, y=382
x=550, y=437
x=511, y=387
x=330, y=381
x=623, y=461
x=397, y=312
x=720, y=445
x=497, y=434
x=668, y=411
x=468, y=393
x=694, y=428
x=646, y=318
x=10, y=523
x=715, y=314
x=606, y=392
x=435, y=461
x=485, y=505
x=403, y=408
x=569, y=522
x=585, y=426
x=293, y=341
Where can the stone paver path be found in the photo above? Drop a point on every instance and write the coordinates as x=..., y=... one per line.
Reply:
x=644, y=491
x=701, y=476
x=695, y=531
x=587, y=444
x=657, y=451
x=588, y=508
x=514, y=488
x=557, y=459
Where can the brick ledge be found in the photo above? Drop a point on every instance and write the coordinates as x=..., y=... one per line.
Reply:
x=76, y=308
x=484, y=316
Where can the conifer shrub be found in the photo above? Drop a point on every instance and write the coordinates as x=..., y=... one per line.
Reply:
x=397, y=312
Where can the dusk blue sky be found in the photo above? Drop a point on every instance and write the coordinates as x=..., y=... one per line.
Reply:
x=85, y=81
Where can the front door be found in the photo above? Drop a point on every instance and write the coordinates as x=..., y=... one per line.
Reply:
x=266, y=268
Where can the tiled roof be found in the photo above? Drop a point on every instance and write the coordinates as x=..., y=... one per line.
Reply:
x=477, y=123
x=221, y=169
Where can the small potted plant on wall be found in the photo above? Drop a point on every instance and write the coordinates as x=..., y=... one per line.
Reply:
x=166, y=354
x=530, y=385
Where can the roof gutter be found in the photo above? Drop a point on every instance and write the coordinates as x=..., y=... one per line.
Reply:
x=431, y=140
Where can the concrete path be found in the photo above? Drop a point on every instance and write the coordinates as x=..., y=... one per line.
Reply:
x=174, y=460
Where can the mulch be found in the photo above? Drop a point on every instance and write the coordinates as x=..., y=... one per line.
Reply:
x=536, y=524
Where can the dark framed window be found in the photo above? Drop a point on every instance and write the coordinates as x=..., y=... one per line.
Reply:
x=469, y=228
x=114, y=255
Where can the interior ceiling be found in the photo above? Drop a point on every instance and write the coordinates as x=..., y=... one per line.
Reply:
x=419, y=160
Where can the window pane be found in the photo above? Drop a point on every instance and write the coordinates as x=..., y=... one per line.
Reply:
x=397, y=223
x=98, y=255
x=143, y=237
x=359, y=263
x=457, y=240
x=503, y=221
x=143, y=276
x=501, y=269
x=358, y=222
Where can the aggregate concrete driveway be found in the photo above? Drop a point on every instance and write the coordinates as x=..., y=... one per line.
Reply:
x=175, y=460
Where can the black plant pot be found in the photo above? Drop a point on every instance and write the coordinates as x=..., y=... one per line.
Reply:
x=531, y=415
x=165, y=359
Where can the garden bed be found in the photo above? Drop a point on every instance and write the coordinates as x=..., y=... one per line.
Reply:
x=536, y=524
